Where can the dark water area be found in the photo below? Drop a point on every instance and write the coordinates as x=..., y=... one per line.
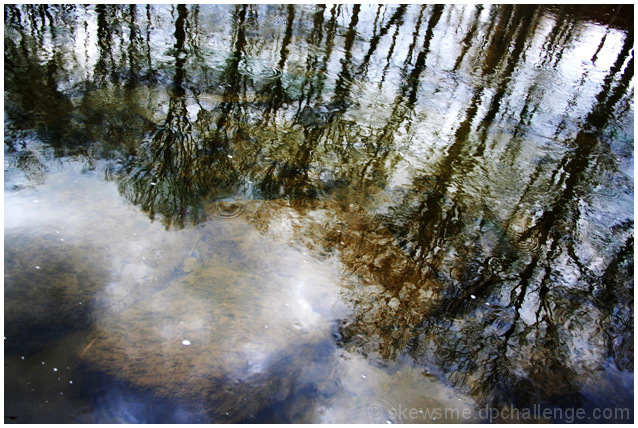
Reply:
x=318, y=214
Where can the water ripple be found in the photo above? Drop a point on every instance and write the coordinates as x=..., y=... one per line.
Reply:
x=258, y=70
x=227, y=208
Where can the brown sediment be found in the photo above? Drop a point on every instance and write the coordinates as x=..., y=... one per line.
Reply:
x=385, y=287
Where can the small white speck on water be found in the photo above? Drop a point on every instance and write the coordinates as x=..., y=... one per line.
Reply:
x=305, y=261
x=342, y=243
x=71, y=382
x=61, y=239
x=61, y=393
x=364, y=376
x=55, y=369
x=250, y=182
x=79, y=303
x=57, y=231
x=487, y=303
x=304, y=253
x=186, y=342
x=472, y=296
x=153, y=183
x=230, y=157
x=36, y=201
x=22, y=358
x=265, y=326
x=143, y=258
x=37, y=267
x=42, y=362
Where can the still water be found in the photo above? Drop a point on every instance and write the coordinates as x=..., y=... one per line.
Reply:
x=297, y=213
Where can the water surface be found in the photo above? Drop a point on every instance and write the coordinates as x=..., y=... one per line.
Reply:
x=355, y=213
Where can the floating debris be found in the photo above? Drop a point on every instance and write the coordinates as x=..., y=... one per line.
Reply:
x=185, y=342
x=87, y=347
x=472, y=296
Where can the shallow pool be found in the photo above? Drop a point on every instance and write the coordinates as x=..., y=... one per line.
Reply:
x=318, y=214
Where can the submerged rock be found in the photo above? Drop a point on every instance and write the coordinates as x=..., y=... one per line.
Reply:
x=252, y=313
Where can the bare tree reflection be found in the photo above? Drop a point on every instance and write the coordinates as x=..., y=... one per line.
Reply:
x=488, y=264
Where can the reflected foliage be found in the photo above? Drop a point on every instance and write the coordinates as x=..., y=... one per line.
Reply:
x=474, y=161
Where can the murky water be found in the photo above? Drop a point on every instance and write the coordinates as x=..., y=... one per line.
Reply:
x=318, y=213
